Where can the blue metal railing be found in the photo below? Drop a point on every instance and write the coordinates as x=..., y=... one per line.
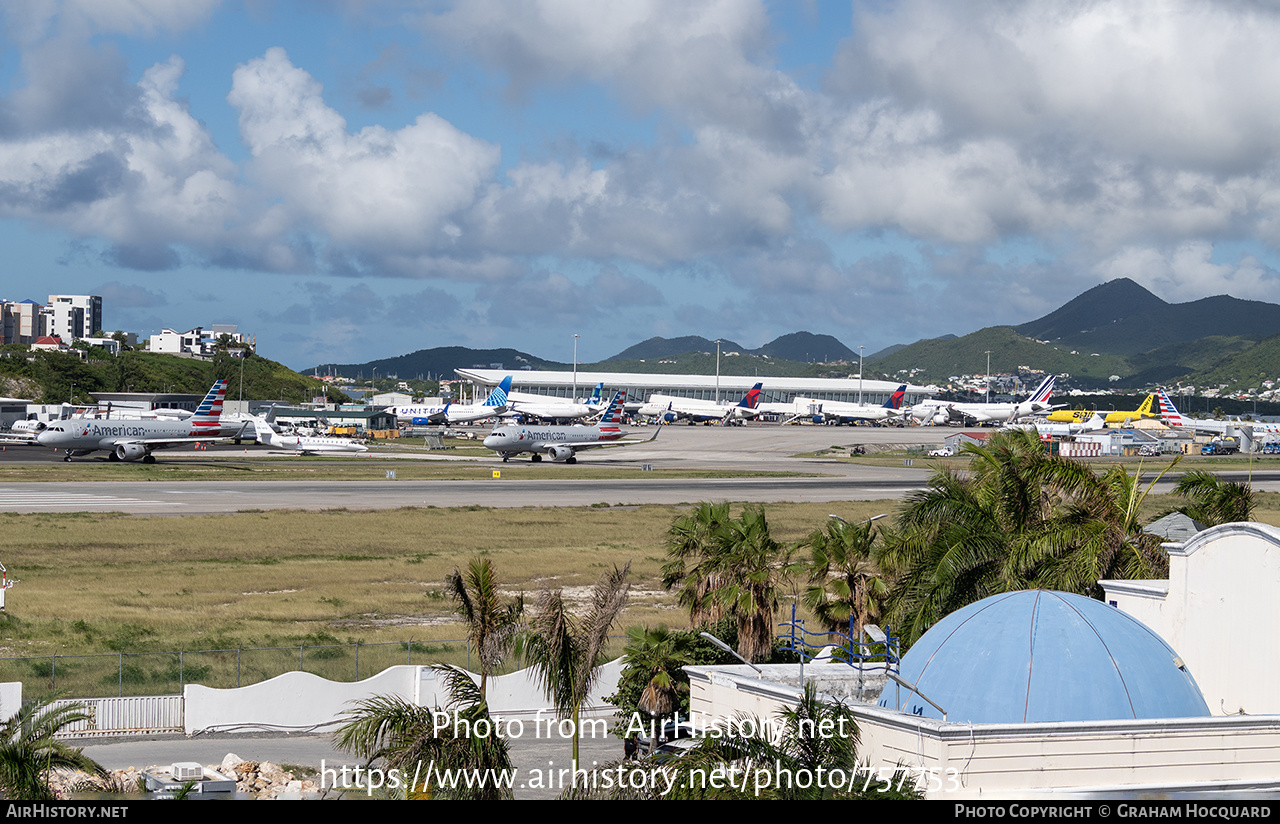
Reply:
x=859, y=654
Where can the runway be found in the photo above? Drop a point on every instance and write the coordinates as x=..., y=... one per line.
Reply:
x=747, y=449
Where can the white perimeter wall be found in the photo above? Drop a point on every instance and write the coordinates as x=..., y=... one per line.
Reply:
x=302, y=701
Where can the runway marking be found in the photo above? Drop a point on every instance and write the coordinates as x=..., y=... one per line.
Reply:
x=13, y=498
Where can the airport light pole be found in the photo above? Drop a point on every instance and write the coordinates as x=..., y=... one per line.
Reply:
x=717, y=370
x=988, y=376
x=575, y=368
x=860, y=348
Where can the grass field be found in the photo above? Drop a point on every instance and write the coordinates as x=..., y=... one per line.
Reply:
x=118, y=585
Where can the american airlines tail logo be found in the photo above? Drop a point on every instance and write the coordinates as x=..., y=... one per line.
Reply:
x=614, y=413
x=1169, y=412
x=210, y=409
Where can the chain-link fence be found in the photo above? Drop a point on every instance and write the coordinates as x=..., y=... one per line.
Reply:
x=166, y=673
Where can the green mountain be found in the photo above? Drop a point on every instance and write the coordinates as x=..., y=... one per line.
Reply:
x=1117, y=329
x=1122, y=318
x=438, y=362
x=801, y=347
x=656, y=348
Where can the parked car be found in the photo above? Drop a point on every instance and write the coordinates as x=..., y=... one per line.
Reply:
x=942, y=452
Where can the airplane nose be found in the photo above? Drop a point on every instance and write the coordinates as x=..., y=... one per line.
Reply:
x=491, y=441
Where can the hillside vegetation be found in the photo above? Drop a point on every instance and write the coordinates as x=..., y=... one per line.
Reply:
x=53, y=374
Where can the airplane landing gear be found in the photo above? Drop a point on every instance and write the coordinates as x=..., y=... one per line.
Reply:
x=536, y=458
x=149, y=459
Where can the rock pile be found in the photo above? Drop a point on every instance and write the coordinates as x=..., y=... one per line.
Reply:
x=262, y=780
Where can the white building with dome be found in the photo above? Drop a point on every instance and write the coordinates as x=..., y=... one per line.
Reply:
x=1168, y=688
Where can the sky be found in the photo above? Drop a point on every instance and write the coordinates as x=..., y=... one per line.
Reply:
x=349, y=180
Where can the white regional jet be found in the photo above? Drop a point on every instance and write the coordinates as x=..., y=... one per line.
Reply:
x=132, y=440
x=561, y=443
x=493, y=406
x=303, y=445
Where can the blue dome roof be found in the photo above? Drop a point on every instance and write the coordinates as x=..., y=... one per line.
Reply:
x=1040, y=656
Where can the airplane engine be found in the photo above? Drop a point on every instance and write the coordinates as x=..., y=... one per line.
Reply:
x=130, y=451
x=559, y=453
x=670, y=417
x=941, y=418
x=819, y=419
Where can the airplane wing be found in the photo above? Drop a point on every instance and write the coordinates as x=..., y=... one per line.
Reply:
x=593, y=444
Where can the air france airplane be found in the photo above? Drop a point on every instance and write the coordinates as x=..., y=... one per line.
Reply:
x=561, y=443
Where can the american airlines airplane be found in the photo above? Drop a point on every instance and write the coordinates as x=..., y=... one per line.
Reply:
x=1172, y=418
x=133, y=440
x=561, y=443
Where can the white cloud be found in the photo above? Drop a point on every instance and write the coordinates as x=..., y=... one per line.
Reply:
x=1187, y=272
x=394, y=191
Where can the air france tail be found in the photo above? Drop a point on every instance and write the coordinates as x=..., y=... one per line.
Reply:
x=1041, y=395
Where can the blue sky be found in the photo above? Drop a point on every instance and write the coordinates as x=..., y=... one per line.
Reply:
x=361, y=179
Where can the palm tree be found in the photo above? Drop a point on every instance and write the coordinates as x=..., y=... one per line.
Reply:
x=1020, y=518
x=1097, y=534
x=566, y=652
x=29, y=751
x=1215, y=501
x=658, y=654
x=491, y=625
x=845, y=581
x=753, y=566
x=406, y=736
x=692, y=564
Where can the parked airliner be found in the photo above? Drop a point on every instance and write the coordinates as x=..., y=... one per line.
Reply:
x=492, y=407
x=670, y=409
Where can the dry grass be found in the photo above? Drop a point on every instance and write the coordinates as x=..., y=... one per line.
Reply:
x=110, y=582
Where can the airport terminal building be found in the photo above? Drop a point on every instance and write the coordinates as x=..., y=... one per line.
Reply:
x=725, y=388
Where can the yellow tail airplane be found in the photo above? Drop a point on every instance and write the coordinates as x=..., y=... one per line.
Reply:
x=1079, y=415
